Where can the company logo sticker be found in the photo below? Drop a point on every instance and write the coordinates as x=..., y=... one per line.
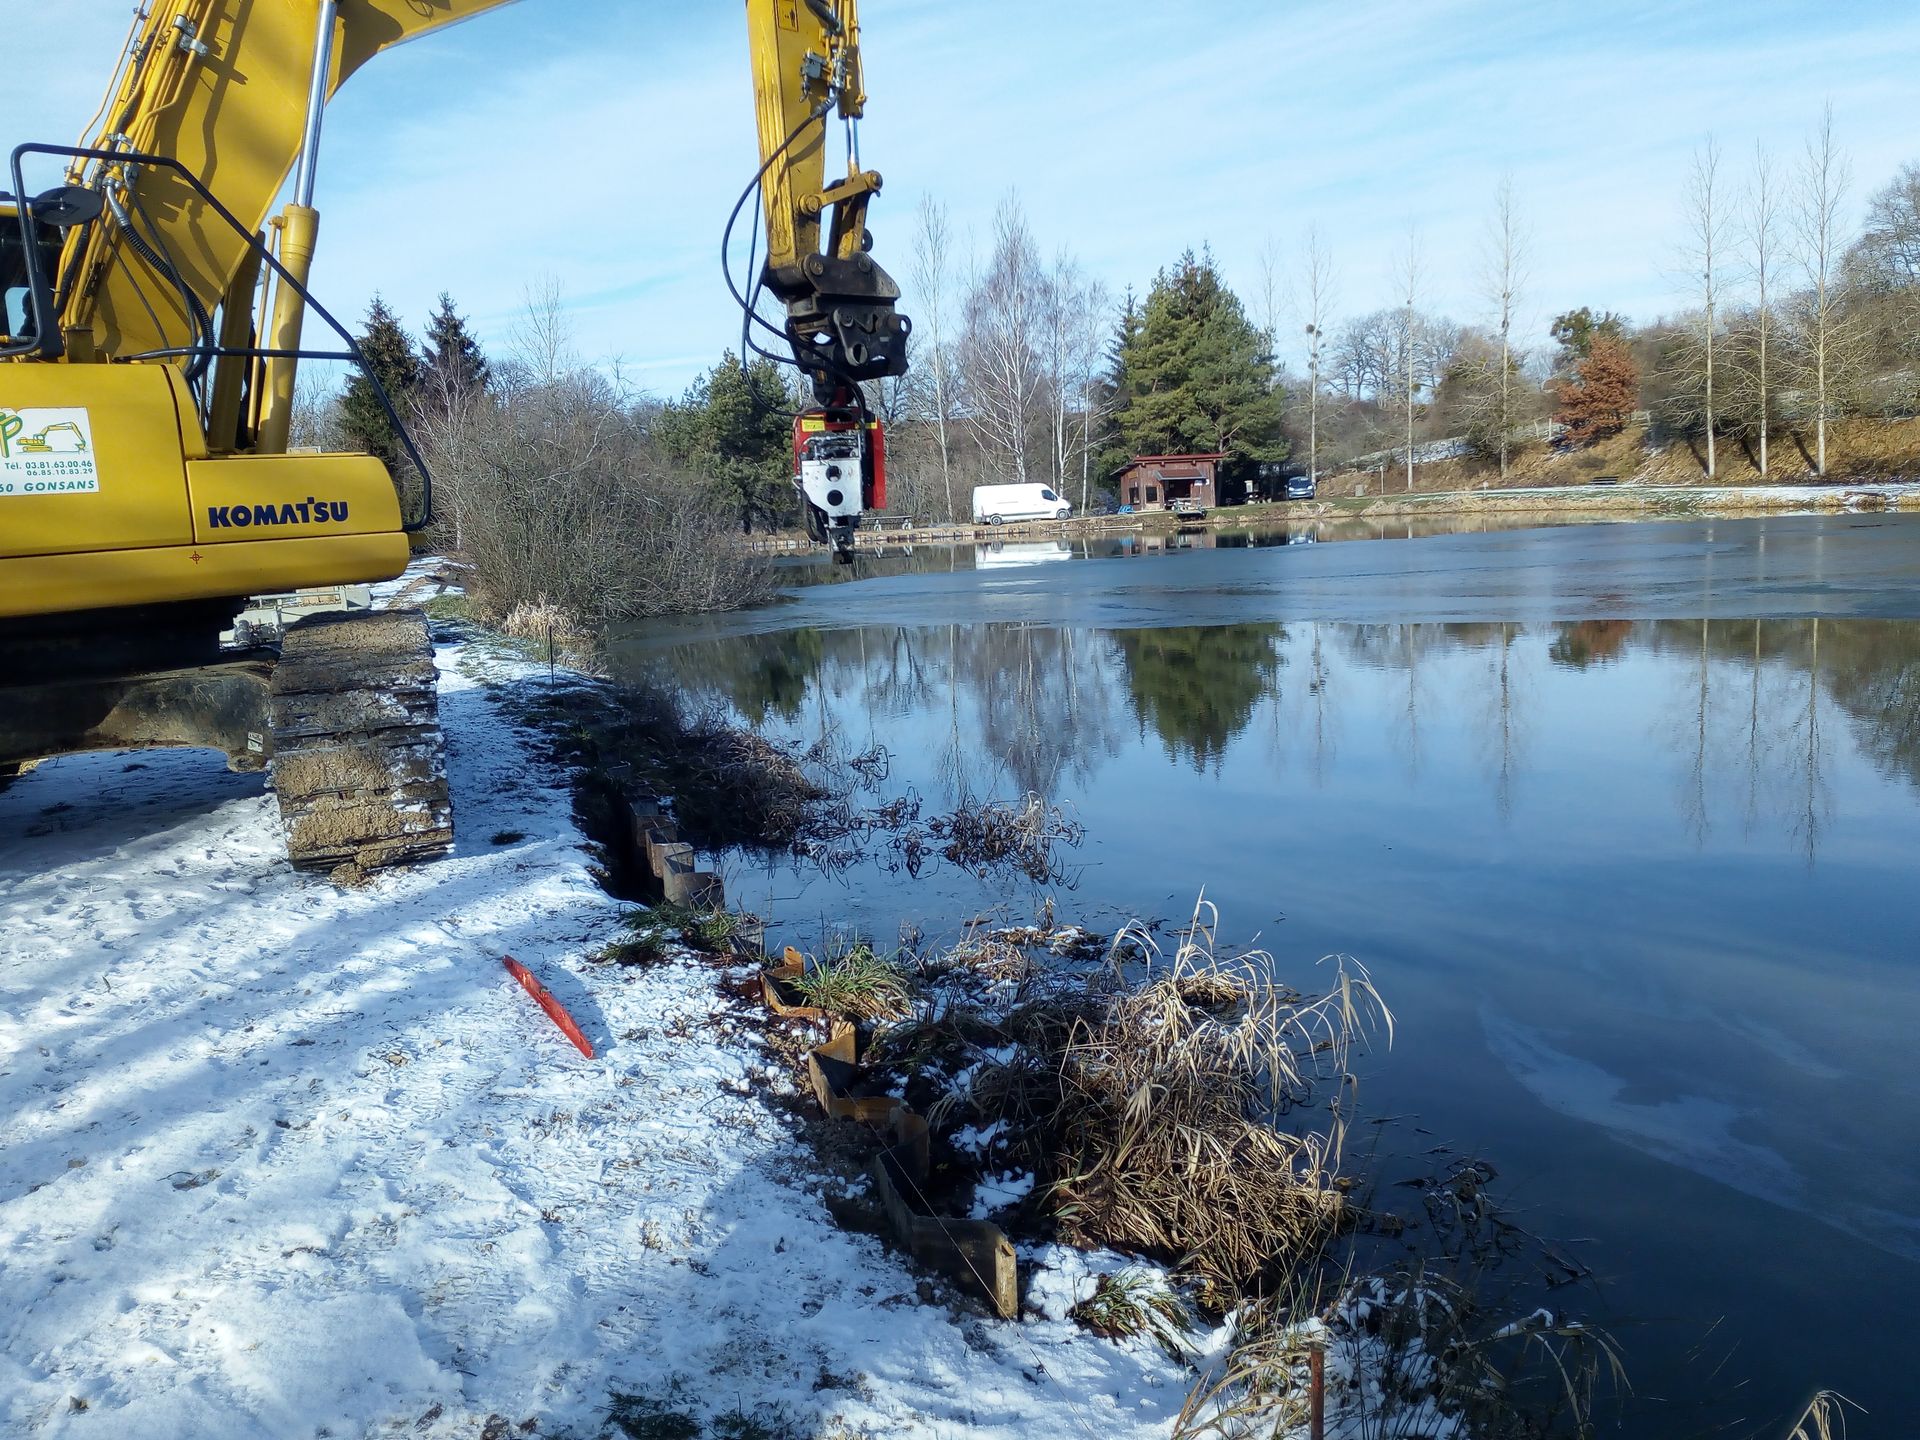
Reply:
x=47, y=452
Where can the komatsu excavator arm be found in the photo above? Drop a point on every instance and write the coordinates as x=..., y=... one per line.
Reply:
x=231, y=94
x=152, y=310
x=841, y=323
x=841, y=320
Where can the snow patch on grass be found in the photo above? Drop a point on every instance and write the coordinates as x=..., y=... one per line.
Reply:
x=281, y=1159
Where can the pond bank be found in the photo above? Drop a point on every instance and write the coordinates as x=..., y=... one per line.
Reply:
x=1242, y=1264
x=1545, y=505
x=276, y=1158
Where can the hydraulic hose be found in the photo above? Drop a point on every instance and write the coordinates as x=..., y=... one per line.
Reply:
x=197, y=314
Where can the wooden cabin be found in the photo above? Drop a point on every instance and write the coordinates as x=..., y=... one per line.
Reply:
x=1152, y=482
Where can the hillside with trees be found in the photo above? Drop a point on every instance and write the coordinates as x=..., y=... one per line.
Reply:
x=1792, y=355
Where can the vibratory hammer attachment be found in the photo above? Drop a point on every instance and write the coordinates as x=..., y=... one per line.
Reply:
x=840, y=470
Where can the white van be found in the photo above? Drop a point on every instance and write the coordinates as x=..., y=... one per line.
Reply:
x=999, y=504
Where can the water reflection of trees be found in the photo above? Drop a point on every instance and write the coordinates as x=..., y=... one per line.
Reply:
x=1589, y=642
x=1749, y=720
x=1197, y=686
x=1018, y=707
x=1044, y=710
x=1758, y=694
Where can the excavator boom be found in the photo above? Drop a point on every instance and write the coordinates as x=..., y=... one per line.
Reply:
x=151, y=325
x=841, y=319
x=223, y=88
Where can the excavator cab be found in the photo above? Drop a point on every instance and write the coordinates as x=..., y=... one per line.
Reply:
x=17, y=320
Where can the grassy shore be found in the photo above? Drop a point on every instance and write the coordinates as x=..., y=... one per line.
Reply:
x=1541, y=505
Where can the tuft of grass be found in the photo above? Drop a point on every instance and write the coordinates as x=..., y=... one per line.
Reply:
x=643, y=947
x=1156, y=1106
x=712, y=930
x=508, y=837
x=736, y=1424
x=706, y=930
x=1136, y=1302
x=856, y=983
x=449, y=607
x=652, y=934
x=639, y=1418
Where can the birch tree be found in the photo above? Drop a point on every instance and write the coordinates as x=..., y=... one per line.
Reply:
x=1822, y=342
x=1316, y=296
x=998, y=363
x=1062, y=301
x=1409, y=275
x=1272, y=292
x=1761, y=237
x=1506, y=261
x=1706, y=223
x=932, y=270
x=1087, y=359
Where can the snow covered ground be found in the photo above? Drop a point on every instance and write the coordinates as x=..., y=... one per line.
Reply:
x=281, y=1160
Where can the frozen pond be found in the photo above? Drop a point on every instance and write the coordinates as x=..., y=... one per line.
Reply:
x=1622, y=818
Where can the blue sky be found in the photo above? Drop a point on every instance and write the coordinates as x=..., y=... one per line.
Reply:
x=600, y=143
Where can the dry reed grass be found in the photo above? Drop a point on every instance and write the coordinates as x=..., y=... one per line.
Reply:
x=1825, y=1417
x=1407, y=1357
x=1153, y=1106
x=541, y=622
x=1023, y=837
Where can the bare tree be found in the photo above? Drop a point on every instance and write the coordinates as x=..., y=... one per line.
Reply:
x=997, y=359
x=1086, y=355
x=1885, y=261
x=1822, y=341
x=1761, y=235
x=1706, y=223
x=1063, y=296
x=1506, y=263
x=1272, y=291
x=1890, y=240
x=1365, y=355
x=1409, y=275
x=543, y=344
x=562, y=496
x=932, y=269
x=316, y=411
x=1316, y=296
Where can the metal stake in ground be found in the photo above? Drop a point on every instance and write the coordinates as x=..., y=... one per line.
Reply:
x=555, y=1010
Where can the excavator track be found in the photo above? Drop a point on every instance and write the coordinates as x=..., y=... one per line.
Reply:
x=359, y=764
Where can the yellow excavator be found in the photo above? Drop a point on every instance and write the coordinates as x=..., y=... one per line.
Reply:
x=152, y=312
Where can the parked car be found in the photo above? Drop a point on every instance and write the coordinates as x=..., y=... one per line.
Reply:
x=1300, y=487
x=999, y=504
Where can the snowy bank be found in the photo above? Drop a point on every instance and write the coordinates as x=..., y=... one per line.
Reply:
x=278, y=1159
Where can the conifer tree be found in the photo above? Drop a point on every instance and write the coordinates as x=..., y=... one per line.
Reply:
x=390, y=357
x=736, y=427
x=1196, y=373
x=1117, y=389
x=453, y=368
x=1576, y=330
